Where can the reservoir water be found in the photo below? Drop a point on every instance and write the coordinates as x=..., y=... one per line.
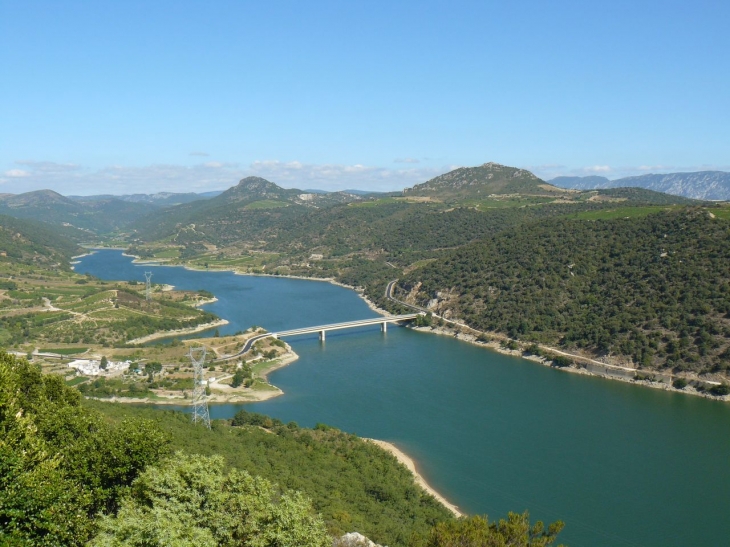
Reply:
x=620, y=464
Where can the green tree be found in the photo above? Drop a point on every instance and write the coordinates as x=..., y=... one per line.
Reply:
x=152, y=368
x=61, y=464
x=190, y=501
x=241, y=375
x=476, y=531
x=104, y=363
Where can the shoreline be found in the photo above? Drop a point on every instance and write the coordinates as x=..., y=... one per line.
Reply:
x=573, y=369
x=406, y=460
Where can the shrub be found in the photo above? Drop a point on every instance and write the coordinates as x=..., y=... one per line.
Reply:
x=561, y=361
x=679, y=383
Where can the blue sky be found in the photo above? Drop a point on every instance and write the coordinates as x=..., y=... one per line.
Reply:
x=121, y=97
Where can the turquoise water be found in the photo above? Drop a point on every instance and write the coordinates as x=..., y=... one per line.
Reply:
x=620, y=464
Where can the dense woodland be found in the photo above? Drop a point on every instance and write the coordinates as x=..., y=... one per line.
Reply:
x=654, y=289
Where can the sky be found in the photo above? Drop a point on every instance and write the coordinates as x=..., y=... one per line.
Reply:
x=109, y=97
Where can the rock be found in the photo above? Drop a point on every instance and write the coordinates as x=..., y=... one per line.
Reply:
x=354, y=539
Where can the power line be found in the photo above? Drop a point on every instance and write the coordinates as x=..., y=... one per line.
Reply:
x=148, y=286
x=200, y=400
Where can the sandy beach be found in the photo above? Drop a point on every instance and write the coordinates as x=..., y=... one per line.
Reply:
x=411, y=465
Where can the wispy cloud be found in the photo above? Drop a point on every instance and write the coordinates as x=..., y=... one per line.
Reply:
x=72, y=179
x=599, y=169
x=406, y=160
x=16, y=173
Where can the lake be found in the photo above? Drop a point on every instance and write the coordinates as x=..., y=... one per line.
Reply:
x=620, y=464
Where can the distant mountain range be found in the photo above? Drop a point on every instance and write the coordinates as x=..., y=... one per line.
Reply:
x=705, y=185
x=160, y=199
x=79, y=217
x=75, y=218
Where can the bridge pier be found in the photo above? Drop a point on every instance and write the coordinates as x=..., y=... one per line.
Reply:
x=321, y=336
x=384, y=327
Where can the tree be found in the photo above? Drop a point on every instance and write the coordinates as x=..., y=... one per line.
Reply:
x=153, y=367
x=241, y=375
x=104, y=363
x=190, y=501
x=477, y=532
x=61, y=464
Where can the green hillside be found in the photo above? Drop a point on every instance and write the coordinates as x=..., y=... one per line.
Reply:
x=32, y=243
x=242, y=210
x=80, y=220
x=353, y=484
x=655, y=289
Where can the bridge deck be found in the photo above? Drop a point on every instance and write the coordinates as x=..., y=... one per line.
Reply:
x=347, y=325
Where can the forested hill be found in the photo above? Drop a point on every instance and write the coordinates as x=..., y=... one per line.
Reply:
x=482, y=181
x=78, y=219
x=655, y=289
x=251, y=197
x=31, y=242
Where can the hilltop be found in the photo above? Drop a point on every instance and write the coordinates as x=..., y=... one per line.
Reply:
x=480, y=182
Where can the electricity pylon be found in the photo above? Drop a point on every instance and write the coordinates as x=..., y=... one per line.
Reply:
x=200, y=400
x=148, y=286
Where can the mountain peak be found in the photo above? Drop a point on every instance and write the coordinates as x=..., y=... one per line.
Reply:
x=253, y=188
x=488, y=178
x=36, y=197
x=255, y=182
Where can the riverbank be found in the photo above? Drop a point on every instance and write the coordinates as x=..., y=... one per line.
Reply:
x=403, y=458
x=598, y=369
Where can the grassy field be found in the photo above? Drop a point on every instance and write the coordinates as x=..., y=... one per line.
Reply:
x=721, y=212
x=64, y=351
x=622, y=212
x=265, y=204
x=168, y=253
x=374, y=203
x=507, y=202
x=76, y=381
x=255, y=260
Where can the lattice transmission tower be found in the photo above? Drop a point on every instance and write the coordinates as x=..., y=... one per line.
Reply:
x=148, y=286
x=200, y=400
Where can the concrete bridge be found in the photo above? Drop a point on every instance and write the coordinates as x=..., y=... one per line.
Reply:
x=322, y=329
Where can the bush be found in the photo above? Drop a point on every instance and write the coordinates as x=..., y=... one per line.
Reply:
x=721, y=390
x=679, y=383
x=191, y=500
x=533, y=349
x=561, y=361
x=243, y=417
